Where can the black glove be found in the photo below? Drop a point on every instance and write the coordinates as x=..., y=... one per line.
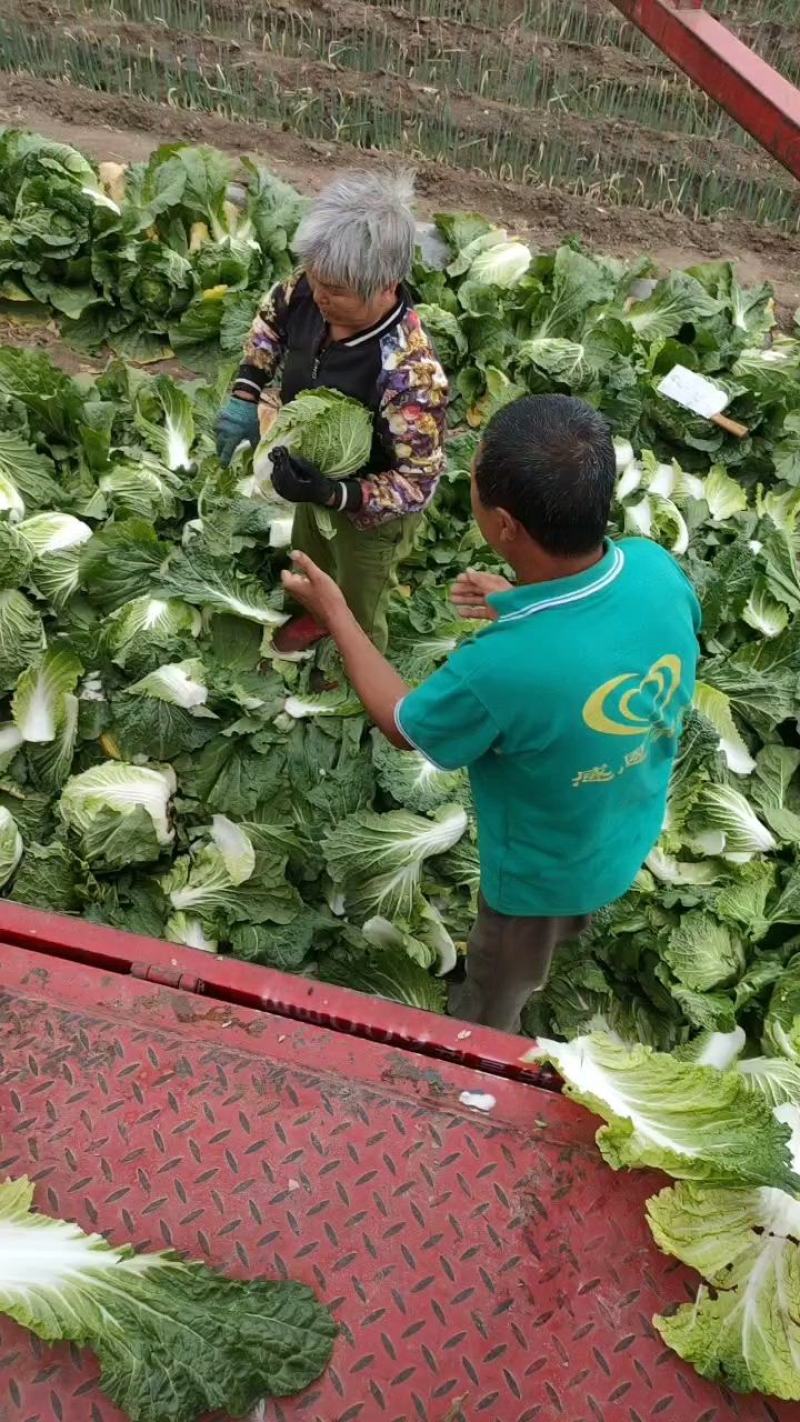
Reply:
x=300, y=482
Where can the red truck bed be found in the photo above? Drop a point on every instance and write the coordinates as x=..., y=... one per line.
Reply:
x=482, y=1262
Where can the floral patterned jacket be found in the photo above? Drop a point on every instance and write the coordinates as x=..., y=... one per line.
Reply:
x=391, y=367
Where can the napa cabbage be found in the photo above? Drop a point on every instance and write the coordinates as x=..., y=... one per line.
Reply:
x=331, y=430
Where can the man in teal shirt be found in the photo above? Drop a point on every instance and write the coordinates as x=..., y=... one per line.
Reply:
x=566, y=710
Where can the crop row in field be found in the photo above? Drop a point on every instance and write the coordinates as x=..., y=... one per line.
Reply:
x=643, y=144
x=438, y=84
x=530, y=73
x=769, y=26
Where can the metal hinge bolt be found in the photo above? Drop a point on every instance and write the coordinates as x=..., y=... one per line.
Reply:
x=167, y=977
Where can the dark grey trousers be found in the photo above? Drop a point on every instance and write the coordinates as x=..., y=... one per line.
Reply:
x=507, y=960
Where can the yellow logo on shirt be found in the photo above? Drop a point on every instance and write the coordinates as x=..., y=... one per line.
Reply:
x=630, y=705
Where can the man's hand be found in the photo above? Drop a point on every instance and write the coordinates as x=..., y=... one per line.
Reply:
x=299, y=481
x=372, y=678
x=237, y=423
x=471, y=590
x=315, y=591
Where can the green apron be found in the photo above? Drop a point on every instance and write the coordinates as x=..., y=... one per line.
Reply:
x=364, y=563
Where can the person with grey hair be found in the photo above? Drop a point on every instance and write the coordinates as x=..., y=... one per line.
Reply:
x=345, y=322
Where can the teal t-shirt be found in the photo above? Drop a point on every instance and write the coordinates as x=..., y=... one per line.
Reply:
x=567, y=712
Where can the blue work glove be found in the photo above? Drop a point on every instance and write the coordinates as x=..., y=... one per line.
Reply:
x=237, y=421
x=300, y=482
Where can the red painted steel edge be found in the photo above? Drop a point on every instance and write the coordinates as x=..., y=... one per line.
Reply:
x=483, y=1265
x=302, y=999
x=754, y=94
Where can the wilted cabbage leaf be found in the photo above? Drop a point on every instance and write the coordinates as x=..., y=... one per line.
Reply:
x=219, y=1343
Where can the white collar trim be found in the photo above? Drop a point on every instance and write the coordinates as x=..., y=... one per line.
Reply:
x=578, y=595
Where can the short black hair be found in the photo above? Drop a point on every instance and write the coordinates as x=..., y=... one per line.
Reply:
x=548, y=460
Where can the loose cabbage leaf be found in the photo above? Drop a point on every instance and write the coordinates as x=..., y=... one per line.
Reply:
x=693, y=1122
x=22, y=638
x=120, y=790
x=387, y=973
x=377, y=859
x=782, y=1021
x=198, y=578
x=744, y=1331
x=165, y=417
x=38, y=706
x=410, y=779
x=120, y=563
x=219, y=1343
x=228, y=879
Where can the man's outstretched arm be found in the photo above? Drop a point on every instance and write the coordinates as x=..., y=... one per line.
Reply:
x=376, y=683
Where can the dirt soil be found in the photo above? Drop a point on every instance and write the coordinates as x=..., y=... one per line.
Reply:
x=42, y=334
x=350, y=19
x=485, y=118
x=126, y=129
x=633, y=146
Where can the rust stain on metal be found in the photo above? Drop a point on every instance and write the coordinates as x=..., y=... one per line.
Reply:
x=405, y=1069
x=455, y=1411
x=39, y=975
x=221, y=1016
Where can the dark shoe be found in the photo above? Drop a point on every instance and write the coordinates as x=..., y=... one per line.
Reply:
x=297, y=635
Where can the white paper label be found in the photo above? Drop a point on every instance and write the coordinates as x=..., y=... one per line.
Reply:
x=693, y=391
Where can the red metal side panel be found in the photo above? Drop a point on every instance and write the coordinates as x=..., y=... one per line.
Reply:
x=288, y=995
x=481, y=1264
x=754, y=94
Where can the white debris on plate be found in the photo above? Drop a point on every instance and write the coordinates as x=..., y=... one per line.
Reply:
x=478, y=1100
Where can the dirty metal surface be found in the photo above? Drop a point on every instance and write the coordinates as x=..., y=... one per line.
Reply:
x=483, y=1265
x=289, y=995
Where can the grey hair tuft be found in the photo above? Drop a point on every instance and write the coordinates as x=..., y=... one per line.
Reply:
x=360, y=232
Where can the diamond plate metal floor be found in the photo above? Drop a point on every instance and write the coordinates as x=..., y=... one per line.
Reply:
x=483, y=1266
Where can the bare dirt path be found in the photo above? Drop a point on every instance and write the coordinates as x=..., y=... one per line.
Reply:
x=126, y=129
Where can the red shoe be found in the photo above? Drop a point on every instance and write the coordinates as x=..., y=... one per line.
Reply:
x=298, y=635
